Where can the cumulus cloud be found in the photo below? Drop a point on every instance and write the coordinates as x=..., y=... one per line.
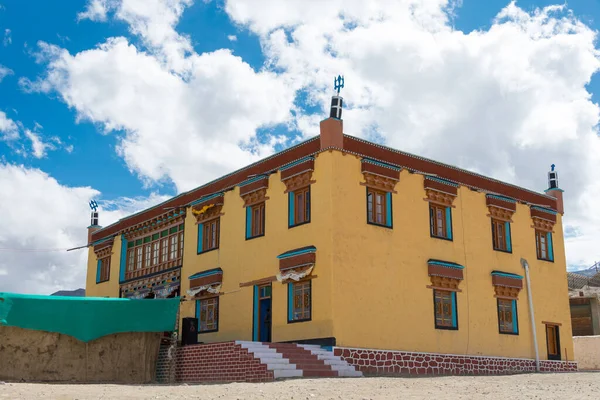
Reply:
x=41, y=219
x=4, y=72
x=7, y=38
x=96, y=10
x=505, y=101
x=232, y=38
x=9, y=130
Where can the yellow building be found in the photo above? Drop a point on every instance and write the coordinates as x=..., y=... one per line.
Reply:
x=342, y=242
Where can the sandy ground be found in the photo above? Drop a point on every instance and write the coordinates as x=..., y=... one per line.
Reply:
x=536, y=386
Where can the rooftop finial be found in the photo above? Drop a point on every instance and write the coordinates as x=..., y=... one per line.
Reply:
x=93, y=205
x=338, y=83
x=553, y=178
x=552, y=166
x=94, y=214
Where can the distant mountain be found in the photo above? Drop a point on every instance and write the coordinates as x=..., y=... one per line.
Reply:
x=76, y=293
x=586, y=272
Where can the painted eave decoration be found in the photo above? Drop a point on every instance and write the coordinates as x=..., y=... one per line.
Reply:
x=296, y=264
x=440, y=185
x=507, y=285
x=445, y=269
x=380, y=168
x=161, y=284
x=501, y=202
x=206, y=281
x=254, y=184
x=543, y=213
x=298, y=167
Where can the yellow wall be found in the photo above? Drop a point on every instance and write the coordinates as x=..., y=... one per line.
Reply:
x=109, y=288
x=380, y=275
x=248, y=260
x=370, y=290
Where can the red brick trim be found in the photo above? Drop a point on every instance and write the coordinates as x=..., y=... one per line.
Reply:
x=380, y=170
x=494, y=201
x=543, y=215
x=442, y=187
x=446, y=272
x=385, y=362
x=254, y=186
x=214, y=362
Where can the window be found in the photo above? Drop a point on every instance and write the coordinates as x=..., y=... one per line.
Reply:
x=154, y=250
x=103, y=269
x=445, y=309
x=501, y=235
x=255, y=220
x=299, y=301
x=440, y=221
x=208, y=235
x=379, y=207
x=543, y=244
x=207, y=312
x=299, y=206
x=507, y=316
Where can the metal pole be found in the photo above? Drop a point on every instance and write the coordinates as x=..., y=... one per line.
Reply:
x=535, y=344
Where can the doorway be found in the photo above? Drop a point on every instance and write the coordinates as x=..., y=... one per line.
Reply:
x=553, y=342
x=262, y=313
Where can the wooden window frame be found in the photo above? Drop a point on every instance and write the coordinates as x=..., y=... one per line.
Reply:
x=502, y=305
x=306, y=309
x=209, y=301
x=207, y=228
x=254, y=225
x=497, y=244
x=104, y=269
x=293, y=199
x=372, y=208
x=453, y=308
x=539, y=234
x=433, y=225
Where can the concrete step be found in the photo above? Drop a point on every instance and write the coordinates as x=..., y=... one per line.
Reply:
x=264, y=350
x=274, y=360
x=333, y=361
x=287, y=373
x=263, y=354
x=352, y=373
x=281, y=367
x=342, y=368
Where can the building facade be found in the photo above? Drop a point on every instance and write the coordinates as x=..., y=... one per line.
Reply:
x=347, y=243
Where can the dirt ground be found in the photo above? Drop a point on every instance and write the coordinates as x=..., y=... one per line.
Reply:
x=582, y=385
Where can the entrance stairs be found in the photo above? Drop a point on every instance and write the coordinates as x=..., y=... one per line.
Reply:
x=290, y=360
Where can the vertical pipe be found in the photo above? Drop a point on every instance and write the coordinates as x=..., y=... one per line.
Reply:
x=535, y=344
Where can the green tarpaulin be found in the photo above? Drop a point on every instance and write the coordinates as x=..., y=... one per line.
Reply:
x=87, y=318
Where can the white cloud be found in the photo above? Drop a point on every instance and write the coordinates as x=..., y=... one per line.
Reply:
x=506, y=101
x=39, y=148
x=41, y=219
x=4, y=72
x=232, y=38
x=184, y=117
x=96, y=10
x=7, y=38
x=8, y=128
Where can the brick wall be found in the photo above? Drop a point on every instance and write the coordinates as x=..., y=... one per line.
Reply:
x=382, y=362
x=214, y=362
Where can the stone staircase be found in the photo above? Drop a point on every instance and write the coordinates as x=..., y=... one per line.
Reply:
x=290, y=360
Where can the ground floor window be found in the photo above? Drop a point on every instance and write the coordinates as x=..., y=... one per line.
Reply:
x=445, y=309
x=507, y=316
x=207, y=312
x=299, y=301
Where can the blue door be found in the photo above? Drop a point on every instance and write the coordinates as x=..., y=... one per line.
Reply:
x=262, y=313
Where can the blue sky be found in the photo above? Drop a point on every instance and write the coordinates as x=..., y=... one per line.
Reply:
x=198, y=88
x=94, y=161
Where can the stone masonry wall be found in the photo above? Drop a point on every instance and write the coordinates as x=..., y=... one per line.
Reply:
x=383, y=362
x=214, y=362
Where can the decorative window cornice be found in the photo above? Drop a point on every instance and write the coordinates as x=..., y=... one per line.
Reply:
x=440, y=191
x=206, y=282
x=543, y=218
x=438, y=197
x=506, y=285
x=208, y=208
x=500, y=213
x=379, y=175
x=298, y=181
x=296, y=264
x=444, y=275
x=105, y=251
x=254, y=190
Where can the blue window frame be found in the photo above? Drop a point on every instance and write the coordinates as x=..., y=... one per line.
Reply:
x=508, y=322
x=440, y=221
x=299, y=207
x=444, y=303
x=379, y=207
x=501, y=237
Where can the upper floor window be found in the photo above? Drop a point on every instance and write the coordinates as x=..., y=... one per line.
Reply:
x=154, y=250
x=103, y=269
x=255, y=220
x=501, y=235
x=440, y=221
x=507, y=316
x=207, y=312
x=299, y=206
x=543, y=244
x=379, y=207
x=445, y=309
x=208, y=235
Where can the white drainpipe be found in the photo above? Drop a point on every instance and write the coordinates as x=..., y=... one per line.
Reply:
x=535, y=344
